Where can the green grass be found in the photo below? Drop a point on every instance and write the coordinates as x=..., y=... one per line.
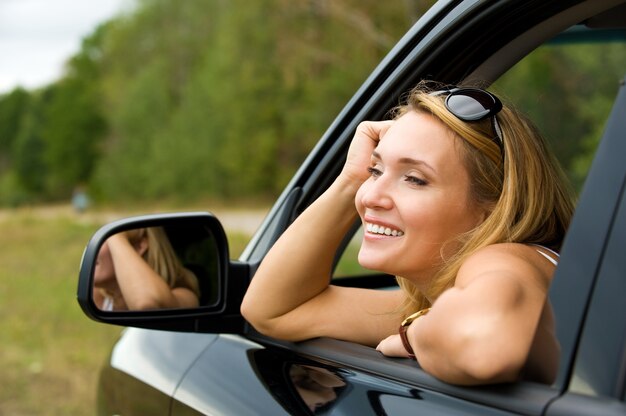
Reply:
x=51, y=353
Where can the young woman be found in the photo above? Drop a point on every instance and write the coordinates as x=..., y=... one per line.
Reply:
x=138, y=270
x=460, y=198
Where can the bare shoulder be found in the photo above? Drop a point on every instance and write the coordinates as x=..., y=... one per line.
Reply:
x=511, y=263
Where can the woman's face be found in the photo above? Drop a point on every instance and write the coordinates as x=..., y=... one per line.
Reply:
x=416, y=199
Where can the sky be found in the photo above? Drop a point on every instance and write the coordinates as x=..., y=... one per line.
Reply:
x=38, y=36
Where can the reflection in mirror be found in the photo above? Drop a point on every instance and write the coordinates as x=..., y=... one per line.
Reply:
x=156, y=268
x=318, y=387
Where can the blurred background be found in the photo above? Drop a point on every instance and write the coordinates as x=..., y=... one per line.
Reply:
x=114, y=107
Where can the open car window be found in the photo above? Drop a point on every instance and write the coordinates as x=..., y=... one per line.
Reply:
x=571, y=111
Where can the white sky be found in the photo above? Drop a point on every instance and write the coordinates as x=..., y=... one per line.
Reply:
x=38, y=36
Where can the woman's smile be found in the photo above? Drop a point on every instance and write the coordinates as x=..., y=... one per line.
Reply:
x=381, y=229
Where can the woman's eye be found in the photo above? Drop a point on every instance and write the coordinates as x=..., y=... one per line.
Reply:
x=415, y=180
x=374, y=172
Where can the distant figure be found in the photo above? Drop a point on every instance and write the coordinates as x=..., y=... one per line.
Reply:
x=80, y=200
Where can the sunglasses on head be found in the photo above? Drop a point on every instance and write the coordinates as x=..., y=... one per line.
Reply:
x=474, y=104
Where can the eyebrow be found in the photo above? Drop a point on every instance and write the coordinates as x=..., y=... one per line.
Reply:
x=407, y=161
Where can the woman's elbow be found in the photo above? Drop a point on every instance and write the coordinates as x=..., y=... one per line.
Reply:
x=475, y=365
x=145, y=304
x=255, y=318
x=280, y=327
x=488, y=369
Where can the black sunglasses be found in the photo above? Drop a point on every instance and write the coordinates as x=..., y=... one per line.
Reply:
x=474, y=104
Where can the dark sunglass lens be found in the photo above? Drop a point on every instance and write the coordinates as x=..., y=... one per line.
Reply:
x=469, y=106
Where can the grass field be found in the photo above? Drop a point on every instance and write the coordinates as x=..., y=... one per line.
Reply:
x=51, y=353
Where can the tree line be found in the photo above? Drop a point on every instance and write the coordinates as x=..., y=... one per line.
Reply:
x=220, y=98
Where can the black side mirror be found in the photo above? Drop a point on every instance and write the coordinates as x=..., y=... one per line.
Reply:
x=168, y=271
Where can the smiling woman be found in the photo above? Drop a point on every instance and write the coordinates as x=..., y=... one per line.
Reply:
x=465, y=205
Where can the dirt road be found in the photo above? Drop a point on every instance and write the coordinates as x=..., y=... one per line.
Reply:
x=240, y=220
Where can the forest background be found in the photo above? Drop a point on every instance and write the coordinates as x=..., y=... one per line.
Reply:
x=223, y=99
x=193, y=99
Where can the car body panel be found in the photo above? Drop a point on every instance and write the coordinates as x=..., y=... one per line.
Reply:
x=161, y=367
x=150, y=365
x=263, y=385
x=220, y=385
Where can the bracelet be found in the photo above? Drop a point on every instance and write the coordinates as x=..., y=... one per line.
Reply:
x=404, y=326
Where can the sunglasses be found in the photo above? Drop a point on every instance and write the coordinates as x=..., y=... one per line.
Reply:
x=474, y=104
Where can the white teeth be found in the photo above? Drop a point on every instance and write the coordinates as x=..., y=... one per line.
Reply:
x=379, y=229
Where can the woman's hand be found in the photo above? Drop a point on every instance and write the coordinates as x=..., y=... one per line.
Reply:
x=137, y=238
x=365, y=140
x=392, y=347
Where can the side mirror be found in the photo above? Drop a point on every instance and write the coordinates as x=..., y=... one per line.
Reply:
x=168, y=271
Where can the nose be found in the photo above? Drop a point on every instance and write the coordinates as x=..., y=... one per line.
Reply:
x=376, y=193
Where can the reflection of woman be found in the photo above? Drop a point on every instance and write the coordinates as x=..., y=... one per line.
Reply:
x=138, y=270
x=460, y=198
x=316, y=386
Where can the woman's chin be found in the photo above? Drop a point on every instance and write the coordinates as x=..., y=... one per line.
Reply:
x=372, y=262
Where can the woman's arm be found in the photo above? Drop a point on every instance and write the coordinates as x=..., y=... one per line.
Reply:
x=290, y=296
x=481, y=330
x=141, y=287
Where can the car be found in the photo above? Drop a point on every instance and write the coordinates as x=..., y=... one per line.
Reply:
x=208, y=360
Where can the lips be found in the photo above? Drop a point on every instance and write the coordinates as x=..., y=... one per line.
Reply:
x=382, y=230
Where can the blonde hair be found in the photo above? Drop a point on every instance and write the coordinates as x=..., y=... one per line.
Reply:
x=161, y=256
x=522, y=188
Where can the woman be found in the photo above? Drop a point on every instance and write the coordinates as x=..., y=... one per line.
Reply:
x=139, y=270
x=460, y=198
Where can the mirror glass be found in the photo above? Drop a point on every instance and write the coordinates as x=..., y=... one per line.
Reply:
x=169, y=266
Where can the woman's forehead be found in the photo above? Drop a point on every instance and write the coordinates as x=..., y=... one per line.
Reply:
x=414, y=134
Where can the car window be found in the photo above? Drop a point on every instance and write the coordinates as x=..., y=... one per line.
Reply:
x=567, y=87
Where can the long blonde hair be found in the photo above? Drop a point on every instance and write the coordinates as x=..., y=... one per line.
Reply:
x=522, y=188
x=161, y=256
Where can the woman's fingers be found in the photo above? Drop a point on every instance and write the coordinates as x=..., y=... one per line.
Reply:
x=392, y=347
x=365, y=140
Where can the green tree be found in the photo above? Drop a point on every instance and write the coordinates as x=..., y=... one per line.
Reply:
x=73, y=120
x=227, y=97
x=73, y=130
x=13, y=108
x=28, y=150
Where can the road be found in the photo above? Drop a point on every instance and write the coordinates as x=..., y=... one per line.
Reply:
x=240, y=220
